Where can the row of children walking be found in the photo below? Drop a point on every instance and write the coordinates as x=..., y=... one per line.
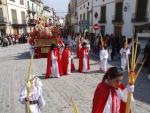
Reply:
x=105, y=55
x=61, y=63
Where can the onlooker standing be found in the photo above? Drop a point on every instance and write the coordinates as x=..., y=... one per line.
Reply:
x=147, y=57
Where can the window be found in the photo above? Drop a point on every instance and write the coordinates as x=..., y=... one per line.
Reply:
x=22, y=2
x=83, y=16
x=1, y=15
x=80, y=16
x=141, y=9
x=12, y=0
x=14, y=16
x=32, y=7
x=1, y=12
x=119, y=8
x=103, y=14
x=23, y=17
x=28, y=5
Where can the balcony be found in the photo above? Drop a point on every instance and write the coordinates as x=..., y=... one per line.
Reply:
x=102, y=21
x=16, y=23
x=39, y=1
x=3, y=20
x=139, y=19
x=117, y=20
x=31, y=10
x=24, y=22
x=32, y=22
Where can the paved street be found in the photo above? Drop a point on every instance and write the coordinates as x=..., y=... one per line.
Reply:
x=57, y=92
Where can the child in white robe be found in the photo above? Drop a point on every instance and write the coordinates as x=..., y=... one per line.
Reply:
x=103, y=59
x=125, y=51
x=35, y=99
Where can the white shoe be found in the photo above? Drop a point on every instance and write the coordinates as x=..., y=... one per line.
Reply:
x=69, y=73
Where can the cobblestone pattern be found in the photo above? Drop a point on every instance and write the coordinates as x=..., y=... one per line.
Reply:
x=57, y=92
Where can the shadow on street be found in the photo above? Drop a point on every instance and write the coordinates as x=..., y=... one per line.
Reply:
x=22, y=56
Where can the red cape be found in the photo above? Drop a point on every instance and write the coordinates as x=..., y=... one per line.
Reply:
x=49, y=63
x=31, y=41
x=64, y=61
x=81, y=56
x=72, y=66
x=39, y=54
x=78, y=50
x=100, y=98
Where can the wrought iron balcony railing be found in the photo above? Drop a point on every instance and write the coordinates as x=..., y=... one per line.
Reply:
x=117, y=19
x=3, y=20
x=102, y=20
x=136, y=18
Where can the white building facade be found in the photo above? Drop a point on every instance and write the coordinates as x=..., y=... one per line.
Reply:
x=34, y=12
x=125, y=17
x=4, y=23
x=17, y=16
x=48, y=13
x=84, y=12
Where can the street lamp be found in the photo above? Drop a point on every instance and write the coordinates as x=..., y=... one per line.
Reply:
x=125, y=9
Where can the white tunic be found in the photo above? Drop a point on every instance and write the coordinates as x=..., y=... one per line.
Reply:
x=109, y=52
x=69, y=63
x=103, y=59
x=35, y=95
x=124, y=57
x=54, y=68
x=85, y=62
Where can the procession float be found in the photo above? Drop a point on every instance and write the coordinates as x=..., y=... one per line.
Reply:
x=42, y=36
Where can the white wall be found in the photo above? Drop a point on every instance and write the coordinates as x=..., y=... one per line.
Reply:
x=5, y=15
x=19, y=8
x=128, y=25
x=36, y=7
x=127, y=29
x=81, y=10
x=96, y=8
x=109, y=27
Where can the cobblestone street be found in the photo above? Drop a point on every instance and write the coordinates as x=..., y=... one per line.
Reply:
x=14, y=62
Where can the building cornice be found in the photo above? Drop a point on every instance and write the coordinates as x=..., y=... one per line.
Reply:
x=81, y=3
x=16, y=5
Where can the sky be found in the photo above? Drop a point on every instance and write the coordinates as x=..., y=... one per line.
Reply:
x=58, y=5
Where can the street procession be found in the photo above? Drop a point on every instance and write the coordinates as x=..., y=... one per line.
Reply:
x=74, y=56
